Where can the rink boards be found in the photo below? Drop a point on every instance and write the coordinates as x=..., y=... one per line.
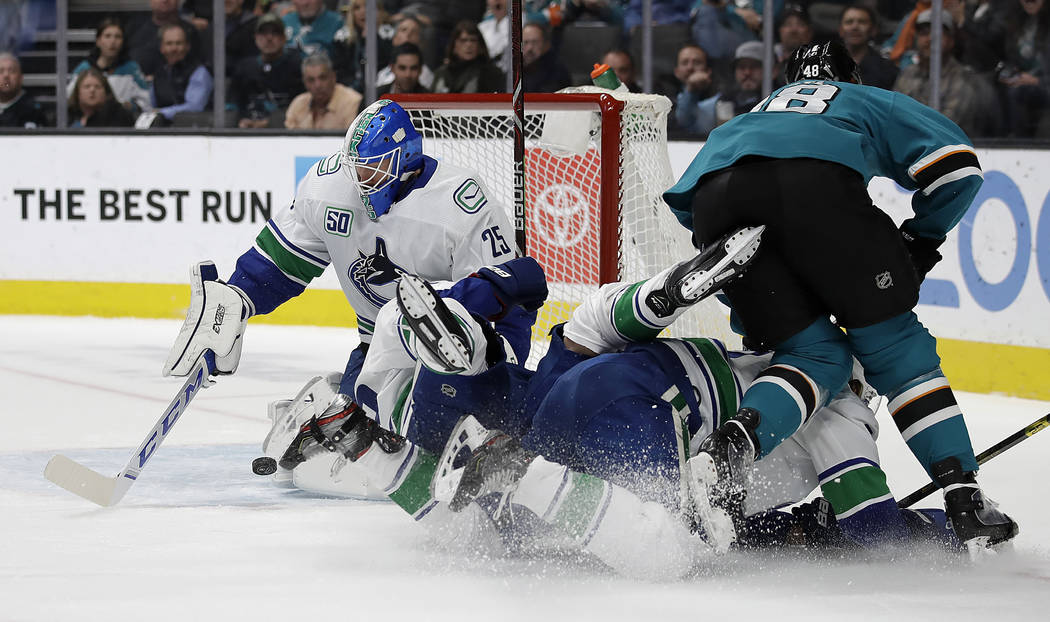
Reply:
x=109, y=226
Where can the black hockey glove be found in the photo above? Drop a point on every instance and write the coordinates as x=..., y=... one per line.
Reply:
x=923, y=251
x=811, y=525
x=816, y=523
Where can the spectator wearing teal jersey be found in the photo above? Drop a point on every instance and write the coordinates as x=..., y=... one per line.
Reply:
x=110, y=56
x=311, y=27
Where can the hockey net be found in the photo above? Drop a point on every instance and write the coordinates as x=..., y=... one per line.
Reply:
x=596, y=165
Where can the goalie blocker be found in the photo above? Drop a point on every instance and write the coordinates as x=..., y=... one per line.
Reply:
x=215, y=321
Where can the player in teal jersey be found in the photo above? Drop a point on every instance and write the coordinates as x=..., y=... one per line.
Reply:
x=799, y=163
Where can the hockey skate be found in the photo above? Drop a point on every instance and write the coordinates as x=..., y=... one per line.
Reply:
x=343, y=427
x=719, y=474
x=441, y=341
x=975, y=519
x=695, y=279
x=496, y=464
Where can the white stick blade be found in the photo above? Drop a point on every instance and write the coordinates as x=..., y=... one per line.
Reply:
x=83, y=482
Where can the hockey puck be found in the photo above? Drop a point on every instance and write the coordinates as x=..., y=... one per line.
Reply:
x=264, y=466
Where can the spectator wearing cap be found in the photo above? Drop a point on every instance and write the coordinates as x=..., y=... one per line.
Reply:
x=966, y=97
x=17, y=108
x=794, y=30
x=326, y=104
x=857, y=28
x=182, y=84
x=406, y=66
x=311, y=27
x=265, y=84
x=700, y=117
x=408, y=30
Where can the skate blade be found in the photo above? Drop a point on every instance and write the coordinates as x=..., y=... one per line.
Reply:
x=419, y=304
x=980, y=549
x=283, y=478
x=739, y=249
x=469, y=434
x=715, y=521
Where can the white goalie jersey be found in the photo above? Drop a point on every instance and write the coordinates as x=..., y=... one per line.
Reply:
x=443, y=229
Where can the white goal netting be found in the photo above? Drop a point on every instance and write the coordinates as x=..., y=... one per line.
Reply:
x=593, y=203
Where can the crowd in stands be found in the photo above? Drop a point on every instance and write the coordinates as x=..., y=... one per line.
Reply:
x=302, y=63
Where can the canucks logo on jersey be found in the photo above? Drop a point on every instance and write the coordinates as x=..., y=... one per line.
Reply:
x=369, y=273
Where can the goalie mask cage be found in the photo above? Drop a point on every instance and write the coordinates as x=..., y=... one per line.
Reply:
x=596, y=165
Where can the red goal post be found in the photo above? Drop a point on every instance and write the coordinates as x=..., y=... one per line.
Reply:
x=596, y=165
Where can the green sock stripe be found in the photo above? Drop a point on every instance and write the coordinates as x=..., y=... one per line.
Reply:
x=399, y=406
x=414, y=492
x=581, y=505
x=289, y=263
x=724, y=380
x=626, y=322
x=853, y=488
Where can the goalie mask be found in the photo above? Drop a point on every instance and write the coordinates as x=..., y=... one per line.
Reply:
x=380, y=152
x=821, y=61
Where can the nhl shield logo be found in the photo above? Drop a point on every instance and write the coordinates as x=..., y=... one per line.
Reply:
x=884, y=280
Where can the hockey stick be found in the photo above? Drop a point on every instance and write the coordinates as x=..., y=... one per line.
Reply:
x=107, y=491
x=518, y=104
x=984, y=456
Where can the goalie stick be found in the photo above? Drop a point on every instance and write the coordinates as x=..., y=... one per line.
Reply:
x=984, y=456
x=107, y=491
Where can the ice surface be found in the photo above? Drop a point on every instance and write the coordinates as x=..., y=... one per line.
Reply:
x=199, y=535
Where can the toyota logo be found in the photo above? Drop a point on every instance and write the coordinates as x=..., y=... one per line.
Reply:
x=563, y=216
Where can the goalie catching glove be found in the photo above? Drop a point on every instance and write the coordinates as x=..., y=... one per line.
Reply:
x=215, y=321
x=343, y=427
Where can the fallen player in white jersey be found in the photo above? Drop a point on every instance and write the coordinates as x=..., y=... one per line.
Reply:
x=586, y=485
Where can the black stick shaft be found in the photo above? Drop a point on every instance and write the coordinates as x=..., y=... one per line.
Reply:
x=518, y=102
x=983, y=457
